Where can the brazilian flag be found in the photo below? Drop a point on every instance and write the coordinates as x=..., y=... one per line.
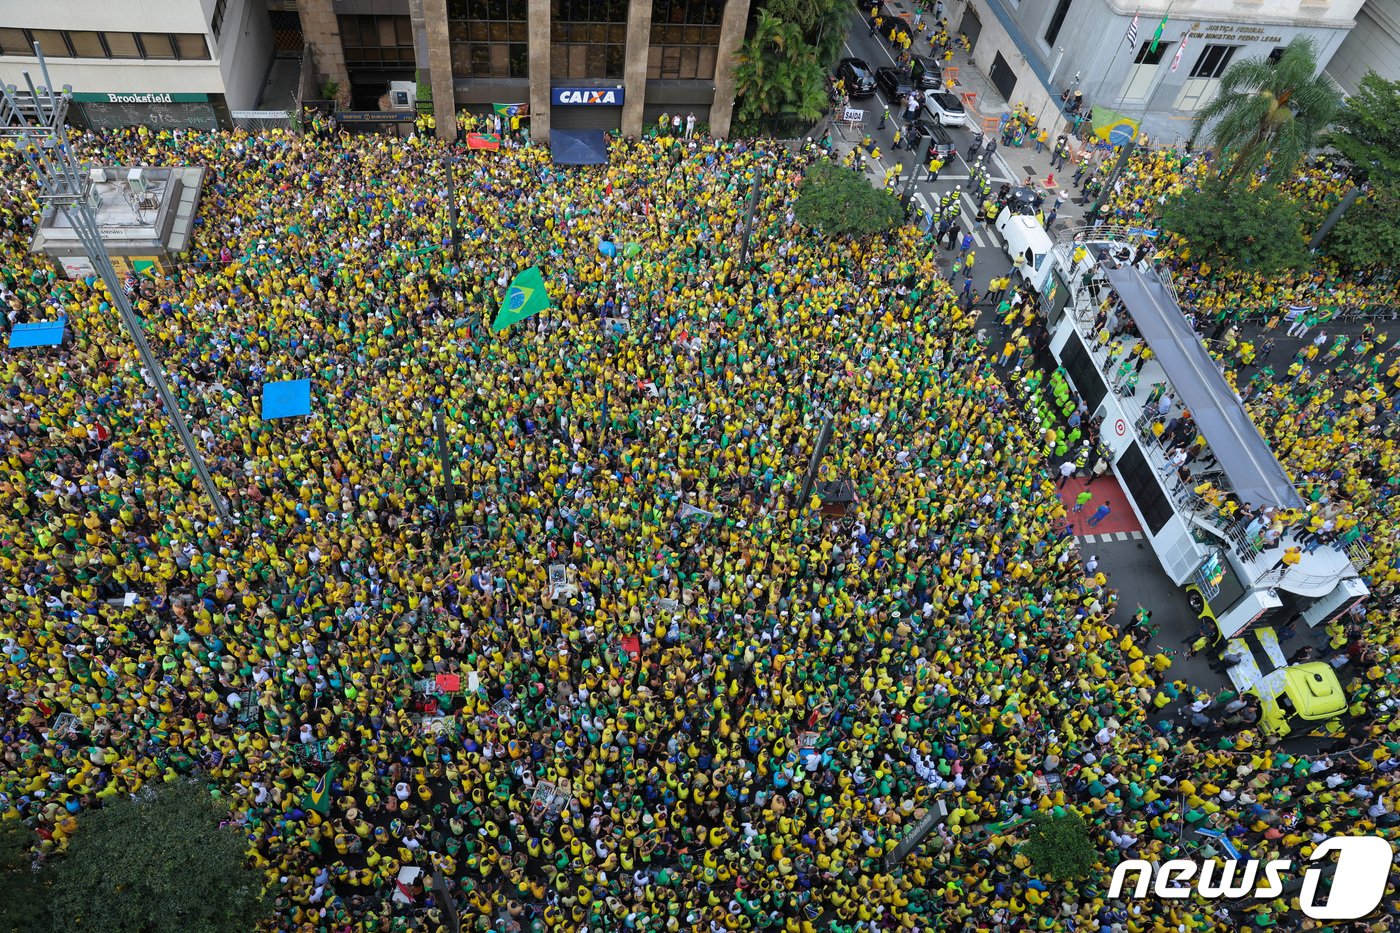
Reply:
x=526, y=296
x=1112, y=127
x=319, y=797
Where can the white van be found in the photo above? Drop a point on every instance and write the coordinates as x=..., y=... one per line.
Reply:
x=1028, y=246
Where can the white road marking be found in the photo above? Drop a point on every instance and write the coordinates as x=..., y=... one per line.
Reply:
x=969, y=222
x=1122, y=536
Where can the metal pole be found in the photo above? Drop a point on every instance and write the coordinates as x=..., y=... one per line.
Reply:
x=1342, y=207
x=452, y=208
x=448, y=492
x=748, y=220
x=38, y=127
x=823, y=439
x=449, y=905
x=921, y=160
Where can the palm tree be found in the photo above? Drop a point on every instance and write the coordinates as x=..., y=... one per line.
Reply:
x=1271, y=110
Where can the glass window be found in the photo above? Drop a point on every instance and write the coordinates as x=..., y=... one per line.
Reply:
x=1213, y=61
x=496, y=34
x=51, y=41
x=13, y=42
x=1057, y=20
x=1146, y=56
x=191, y=47
x=684, y=39
x=87, y=45
x=216, y=22
x=122, y=44
x=157, y=45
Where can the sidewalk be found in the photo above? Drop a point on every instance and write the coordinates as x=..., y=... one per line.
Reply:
x=987, y=103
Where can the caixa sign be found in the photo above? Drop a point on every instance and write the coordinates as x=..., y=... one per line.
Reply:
x=588, y=96
x=1359, y=878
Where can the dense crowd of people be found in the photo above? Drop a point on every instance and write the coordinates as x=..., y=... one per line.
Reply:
x=1154, y=175
x=688, y=700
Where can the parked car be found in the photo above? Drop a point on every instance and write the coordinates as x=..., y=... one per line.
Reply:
x=1023, y=200
x=896, y=84
x=926, y=73
x=942, y=146
x=945, y=108
x=858, y=77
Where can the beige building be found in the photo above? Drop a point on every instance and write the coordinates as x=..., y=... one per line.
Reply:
x=608, y=64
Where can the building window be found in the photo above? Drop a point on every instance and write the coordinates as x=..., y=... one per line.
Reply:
x=216, y=22
x=191, y=47
x=1276, y=54
x=87, y=44
x=684, y=39
x=1057, y=19
x=589, y=38
x=489, y=38
x=121, y=45
x=1146, y=56
x=155, y=46
x=377, y=41
x=1213, y=61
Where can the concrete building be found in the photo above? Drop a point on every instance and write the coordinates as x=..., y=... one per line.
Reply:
x=1374, y=45
x=608, y=64
x=1033, y=50
x=145, y=216
x=164, y=63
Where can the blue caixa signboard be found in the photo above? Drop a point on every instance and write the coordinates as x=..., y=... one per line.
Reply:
x=586, y=96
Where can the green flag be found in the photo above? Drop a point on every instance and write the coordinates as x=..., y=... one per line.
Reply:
x=1157, y=36
x=319, y=797
x=526, y=296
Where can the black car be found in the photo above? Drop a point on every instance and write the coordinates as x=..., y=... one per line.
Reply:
x=926, y=74
x=858, y=77
x=896, y=84
x=942, y=146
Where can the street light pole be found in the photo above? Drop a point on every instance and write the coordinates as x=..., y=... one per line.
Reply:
x=451, y=162
x=37, y=124
x=748, y=220
x=921, y=159
x=448, y=492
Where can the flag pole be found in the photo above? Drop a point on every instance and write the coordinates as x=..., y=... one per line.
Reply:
x=1118, y=50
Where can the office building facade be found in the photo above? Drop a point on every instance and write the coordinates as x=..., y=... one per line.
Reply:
x=609, y=64
x=163, y=63
x=1033, y=50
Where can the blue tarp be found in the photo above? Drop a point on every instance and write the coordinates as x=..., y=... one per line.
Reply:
x=42, y=334
x=286, y=399
x=578, y=147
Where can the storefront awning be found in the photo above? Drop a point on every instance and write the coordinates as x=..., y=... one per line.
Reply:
x=578, y=147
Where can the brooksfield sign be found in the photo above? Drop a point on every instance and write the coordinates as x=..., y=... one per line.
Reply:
x=141, y=97
x=588, y=96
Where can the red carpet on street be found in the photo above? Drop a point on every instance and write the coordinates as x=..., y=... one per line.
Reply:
x=1105, y=489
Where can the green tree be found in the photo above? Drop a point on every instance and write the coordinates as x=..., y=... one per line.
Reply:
x=1367, y=234
x=777, y=72
x=1059, y=846
x=1259, y=230
x=823, y=23
x=1270, y=111
x=838, y=201
x=1367, y=130
x=23, y=895
x=158, y=864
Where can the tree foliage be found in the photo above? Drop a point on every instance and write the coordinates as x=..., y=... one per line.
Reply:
x=838, y=201
x=1258, y=230
x=23, y=892
x=1367, y=131
x=779, y=70
x=1270, y=111
x=1367, y=235
x=158, y=864
x=1059, y=846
